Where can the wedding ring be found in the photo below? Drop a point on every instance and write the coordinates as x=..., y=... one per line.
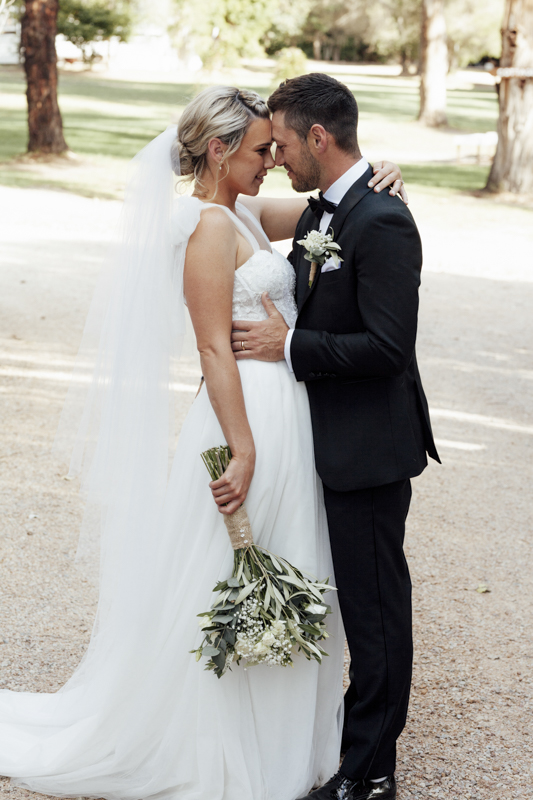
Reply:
x=242, y=346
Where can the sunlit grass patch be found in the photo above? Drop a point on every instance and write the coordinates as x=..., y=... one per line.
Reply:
x=458, y=177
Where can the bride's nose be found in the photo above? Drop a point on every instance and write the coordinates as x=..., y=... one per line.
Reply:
x=269, y=162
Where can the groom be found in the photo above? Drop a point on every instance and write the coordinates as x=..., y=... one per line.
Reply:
x=354, y=346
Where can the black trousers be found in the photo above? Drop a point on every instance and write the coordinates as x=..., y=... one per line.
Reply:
x=367, y=529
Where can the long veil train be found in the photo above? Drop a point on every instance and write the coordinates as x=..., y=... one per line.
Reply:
x=140, y=718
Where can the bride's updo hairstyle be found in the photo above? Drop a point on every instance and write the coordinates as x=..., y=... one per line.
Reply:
x=219, y=112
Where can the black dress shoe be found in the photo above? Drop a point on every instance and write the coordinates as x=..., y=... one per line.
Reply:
x=386, y=790
x=342, y=788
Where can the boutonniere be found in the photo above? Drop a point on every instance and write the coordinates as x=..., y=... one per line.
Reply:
x=320, y=247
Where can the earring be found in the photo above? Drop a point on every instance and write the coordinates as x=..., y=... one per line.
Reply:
x=220, y=166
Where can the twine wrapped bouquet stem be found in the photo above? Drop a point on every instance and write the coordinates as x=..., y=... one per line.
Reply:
x=267, y=610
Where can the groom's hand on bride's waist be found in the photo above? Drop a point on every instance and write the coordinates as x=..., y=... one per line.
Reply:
x=262, y=341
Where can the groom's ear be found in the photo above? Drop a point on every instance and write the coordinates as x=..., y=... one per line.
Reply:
x=318, y=139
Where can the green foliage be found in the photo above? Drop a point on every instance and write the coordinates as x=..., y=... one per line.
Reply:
x=458, y=177
x=473, y=30
x=359, y=30
x=84, y=23
x=107, y=121
x=291, y=61
x=330, y=23
x=230, y=29
x=287, y=25
x=393, y=29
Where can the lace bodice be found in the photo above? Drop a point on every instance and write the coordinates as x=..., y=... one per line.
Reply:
x=264, y=272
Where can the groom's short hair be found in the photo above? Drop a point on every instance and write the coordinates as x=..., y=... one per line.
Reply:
x=318, y=99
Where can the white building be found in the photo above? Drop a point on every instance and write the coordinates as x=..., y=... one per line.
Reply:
x=149, y=48
x=9, y=38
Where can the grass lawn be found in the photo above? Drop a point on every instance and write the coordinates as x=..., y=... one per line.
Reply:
x=107, y=121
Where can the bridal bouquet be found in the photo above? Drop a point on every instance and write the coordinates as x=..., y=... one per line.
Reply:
x=267, y=609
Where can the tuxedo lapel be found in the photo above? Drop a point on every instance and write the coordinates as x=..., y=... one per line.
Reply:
x=302, y=266
x=354, y=194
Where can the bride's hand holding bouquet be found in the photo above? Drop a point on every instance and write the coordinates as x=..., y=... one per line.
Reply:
x=230, y=490
x=267, y=609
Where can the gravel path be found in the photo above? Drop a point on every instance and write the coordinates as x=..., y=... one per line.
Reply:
x=469, y=733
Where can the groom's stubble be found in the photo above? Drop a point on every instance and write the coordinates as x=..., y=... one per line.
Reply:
x=307, y=173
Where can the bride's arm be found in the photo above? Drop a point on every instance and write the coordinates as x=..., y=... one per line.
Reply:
x=280, y=216
x=208, y=286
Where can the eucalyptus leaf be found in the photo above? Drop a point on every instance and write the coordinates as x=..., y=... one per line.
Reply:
x=243, y=594
x=294, y=581
x=266, y=601
x=210, y=651
x=278, y=595
x=276, y=563
x=230, y=636
x=220, y=661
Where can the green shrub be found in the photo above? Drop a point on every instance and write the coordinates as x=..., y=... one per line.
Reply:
x=85, y=23
x=291, y=62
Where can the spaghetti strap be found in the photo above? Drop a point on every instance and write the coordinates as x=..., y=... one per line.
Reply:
x=239, y=224
x=256, y=223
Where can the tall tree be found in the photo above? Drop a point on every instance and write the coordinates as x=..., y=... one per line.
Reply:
x=512, y=169
x=38, y=33
x=433, y=64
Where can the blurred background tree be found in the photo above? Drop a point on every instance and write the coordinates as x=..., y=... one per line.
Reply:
x=287, y=25
x=5, y=11
x=473, y=30
x=84, y=23
x=512, y=169
x=393, y=31
x=37, y=44
x=341, y=30
x=227, y=30
x=291, y=61
x=433, y=64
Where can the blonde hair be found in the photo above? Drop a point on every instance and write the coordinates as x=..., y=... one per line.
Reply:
x=221, y=112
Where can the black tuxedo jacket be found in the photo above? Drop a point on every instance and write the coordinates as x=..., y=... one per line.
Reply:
x=354, y=344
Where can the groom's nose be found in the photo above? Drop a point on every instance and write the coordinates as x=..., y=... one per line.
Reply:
x=279, y=160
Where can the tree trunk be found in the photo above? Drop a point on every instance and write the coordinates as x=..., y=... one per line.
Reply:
x=404, y=62
x=39, y=25
x=434, y=64
x=512, y=169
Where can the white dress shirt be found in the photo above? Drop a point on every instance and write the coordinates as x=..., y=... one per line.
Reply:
x=334, y=194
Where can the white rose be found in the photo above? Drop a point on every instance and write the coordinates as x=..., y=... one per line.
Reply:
x=204, y=622
x=268, y=639
x=314, y=608
x=261, y=649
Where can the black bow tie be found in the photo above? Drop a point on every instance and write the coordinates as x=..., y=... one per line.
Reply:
x=319, y=205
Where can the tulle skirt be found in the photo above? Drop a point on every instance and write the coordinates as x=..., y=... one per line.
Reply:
x=140, y=718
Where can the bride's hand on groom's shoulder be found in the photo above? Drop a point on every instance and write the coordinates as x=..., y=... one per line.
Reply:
x=386, y=174
x=262, y=341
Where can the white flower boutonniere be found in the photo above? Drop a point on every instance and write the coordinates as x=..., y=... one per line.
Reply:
x=320, y=247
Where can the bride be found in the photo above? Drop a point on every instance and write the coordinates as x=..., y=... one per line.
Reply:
x=140, y=718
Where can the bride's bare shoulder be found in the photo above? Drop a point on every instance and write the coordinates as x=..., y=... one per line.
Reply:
x=214, y=233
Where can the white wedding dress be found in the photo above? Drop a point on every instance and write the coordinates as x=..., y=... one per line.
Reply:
x=140, y=718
